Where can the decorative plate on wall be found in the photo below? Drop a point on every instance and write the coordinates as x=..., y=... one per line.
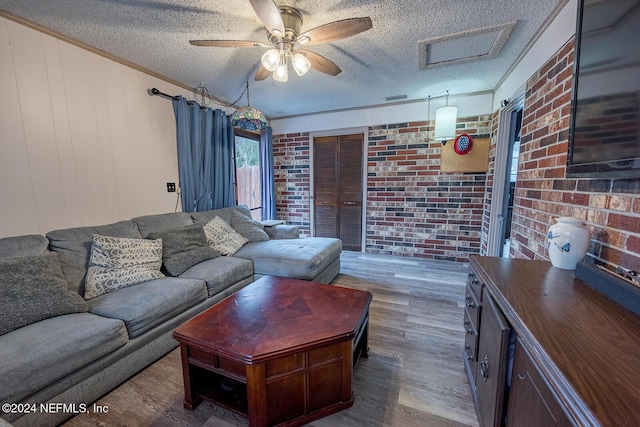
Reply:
x=463, y=144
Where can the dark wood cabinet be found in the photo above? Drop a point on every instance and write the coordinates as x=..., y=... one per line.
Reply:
x=492, y=363
x=571, y=358
x=532, y=403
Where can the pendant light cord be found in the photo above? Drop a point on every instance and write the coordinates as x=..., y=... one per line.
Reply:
x=204, y=93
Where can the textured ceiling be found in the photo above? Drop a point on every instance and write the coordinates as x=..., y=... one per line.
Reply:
x=473, y=44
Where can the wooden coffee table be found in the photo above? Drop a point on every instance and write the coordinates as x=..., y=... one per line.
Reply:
x=280, y=351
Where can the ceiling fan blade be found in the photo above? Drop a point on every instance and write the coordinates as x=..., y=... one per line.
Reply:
x=320, y=63
x=228, y=43
x=269, y=14
x=337, y=30
x=262, y=73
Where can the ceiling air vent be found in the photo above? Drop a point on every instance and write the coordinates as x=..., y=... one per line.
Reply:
x=470, y=45
x=395, y=97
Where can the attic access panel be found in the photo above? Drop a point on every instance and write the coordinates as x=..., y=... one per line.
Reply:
x=465, y=46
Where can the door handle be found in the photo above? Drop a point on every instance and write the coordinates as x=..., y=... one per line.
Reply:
x=349, y=203
x=484, y=368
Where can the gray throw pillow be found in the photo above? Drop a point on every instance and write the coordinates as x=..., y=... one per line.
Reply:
x=248, y=227
x=183, y=247
x=32, y=288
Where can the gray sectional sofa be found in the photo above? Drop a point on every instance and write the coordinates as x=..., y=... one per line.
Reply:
x=75, y=356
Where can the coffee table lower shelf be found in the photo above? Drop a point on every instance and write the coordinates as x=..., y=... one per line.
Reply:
x=291, y=390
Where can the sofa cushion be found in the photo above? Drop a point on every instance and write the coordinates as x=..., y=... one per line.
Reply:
x=248, y=227
x=118, y=262
x=220, y=273
x=150, y=223
x=204, y=217
x=283, y=231
x=32, y=288
x=183, y=247
x=295, y=258
x=44, y=352
x=31, y=244
x=149, y=304
x=73, y=246
x=222, y=237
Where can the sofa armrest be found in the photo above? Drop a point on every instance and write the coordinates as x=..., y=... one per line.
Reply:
x=283, y=231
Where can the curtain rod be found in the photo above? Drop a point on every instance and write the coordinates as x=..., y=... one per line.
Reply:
x=156, y=92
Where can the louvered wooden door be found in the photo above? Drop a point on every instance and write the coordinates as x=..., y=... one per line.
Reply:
x=337, y=185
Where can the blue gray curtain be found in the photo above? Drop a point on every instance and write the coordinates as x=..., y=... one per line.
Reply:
x=268, y=180
x=205, y=156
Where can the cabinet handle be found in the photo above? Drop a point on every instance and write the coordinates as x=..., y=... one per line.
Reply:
x=522, y=377
x=484, y=368
x=467, y=327
x=469, y=301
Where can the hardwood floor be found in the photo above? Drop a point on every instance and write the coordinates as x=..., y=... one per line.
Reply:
x=414, y=375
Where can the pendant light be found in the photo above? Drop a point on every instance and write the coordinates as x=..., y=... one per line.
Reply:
x=248, y=118
x=445, y=128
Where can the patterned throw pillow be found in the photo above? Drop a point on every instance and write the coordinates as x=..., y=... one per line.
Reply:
x=118, y=262
x=248, y=227
x=222, y=237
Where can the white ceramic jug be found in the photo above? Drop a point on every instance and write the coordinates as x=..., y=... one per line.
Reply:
x=568, y=242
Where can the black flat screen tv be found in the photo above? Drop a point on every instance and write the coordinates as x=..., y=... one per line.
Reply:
x=604, y=137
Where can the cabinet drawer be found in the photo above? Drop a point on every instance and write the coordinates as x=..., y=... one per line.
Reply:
x=475, y=284
x=228, y=365
x=472, y=307
x=200, y=355
x=215, y=363
x=325, y=354
x=470, y=338
x=285, y=365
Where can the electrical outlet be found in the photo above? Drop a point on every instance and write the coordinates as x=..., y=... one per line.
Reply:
x=171, y=187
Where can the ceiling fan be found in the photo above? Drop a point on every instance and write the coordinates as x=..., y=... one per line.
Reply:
x=283, y=24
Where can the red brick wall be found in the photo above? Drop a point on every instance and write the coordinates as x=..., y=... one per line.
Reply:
x=412, y=209
x=610, y=207
x=291, y=170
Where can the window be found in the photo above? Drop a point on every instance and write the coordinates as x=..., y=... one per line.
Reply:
x=248, y=177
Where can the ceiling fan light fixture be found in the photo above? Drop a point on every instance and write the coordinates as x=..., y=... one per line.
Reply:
x=281, y=73
x=300, y=64
x=284, y=24
x=270, y=59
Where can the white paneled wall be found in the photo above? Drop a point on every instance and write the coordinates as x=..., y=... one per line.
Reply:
x=81, y=141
